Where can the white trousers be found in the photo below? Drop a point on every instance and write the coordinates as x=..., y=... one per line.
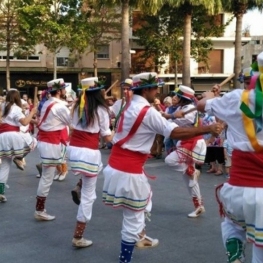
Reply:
x=133, y=223
x=232, y=230
x=173, y=160
x=5, y=169
x=46, y=180
x=88, y=196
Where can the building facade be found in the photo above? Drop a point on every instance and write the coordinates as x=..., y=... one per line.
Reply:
x=37, y=69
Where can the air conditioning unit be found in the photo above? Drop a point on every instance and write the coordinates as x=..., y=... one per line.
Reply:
x=62, y=62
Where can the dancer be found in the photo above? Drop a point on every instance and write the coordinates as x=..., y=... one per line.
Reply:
x=13, y=143
x=90, y=120
x=189, y=152
x=241, y=197
x=125, y=183
x=54, y=117
x=115, y=112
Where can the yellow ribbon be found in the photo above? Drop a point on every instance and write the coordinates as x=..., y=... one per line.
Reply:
x=249, y=124
x=82, y=100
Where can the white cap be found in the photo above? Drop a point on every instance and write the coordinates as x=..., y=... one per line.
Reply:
x=55, y=81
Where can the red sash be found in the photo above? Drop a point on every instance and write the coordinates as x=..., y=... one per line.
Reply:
x=46, y=113
x=247, y=169
x=125, y=160
x=53, y=137
x=4, y=127
x=84, y=139
x=189, y=144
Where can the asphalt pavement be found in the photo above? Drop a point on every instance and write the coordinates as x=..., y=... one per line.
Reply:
x=182, y=240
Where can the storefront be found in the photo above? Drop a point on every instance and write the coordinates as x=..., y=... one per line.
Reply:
x=26, y=82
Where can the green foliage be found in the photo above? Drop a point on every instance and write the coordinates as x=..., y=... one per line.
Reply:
x=161, y=34
x=46, y=22
x=12, y=38
x=241, y=6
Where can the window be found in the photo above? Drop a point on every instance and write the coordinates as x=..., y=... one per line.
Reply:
x=33, y=58
x=215, y=62
x=103, y=52
x=255, y=42
x=62, y=61
x=10, y=57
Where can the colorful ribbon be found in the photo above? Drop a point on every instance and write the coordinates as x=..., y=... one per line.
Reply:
x=253, y=121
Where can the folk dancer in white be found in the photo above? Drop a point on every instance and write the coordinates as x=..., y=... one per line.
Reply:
x=13, y=143
x=90, y=120
x=241, y=197
x=52, y=146
x=125, y=183
x=189, y=152
x=115, y=112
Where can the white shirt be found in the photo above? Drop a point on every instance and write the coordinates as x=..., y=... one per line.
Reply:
x=189, y=119
x=100, y=124
x=15, y=114
x=58, y=117
x=116, y=107
x=227, y=109
x=153, y=123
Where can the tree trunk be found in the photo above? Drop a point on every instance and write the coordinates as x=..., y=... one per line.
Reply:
x=238, y=44
x=8, y=47
x=186, y=80
x=125, y=45
x=175, y=74
x=95, y=64
x=55, y=65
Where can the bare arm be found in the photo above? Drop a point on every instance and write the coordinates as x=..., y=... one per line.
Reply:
x=25, y=121
x=108, y=138
x=183, y=133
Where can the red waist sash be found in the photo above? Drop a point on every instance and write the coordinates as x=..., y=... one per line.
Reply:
x=127, y=161
x=53, y=137
x=4, y=127
x=247, y=169
x=84, y=139
x=189, y=144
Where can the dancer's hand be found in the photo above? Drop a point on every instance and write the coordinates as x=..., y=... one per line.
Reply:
x=216, y=128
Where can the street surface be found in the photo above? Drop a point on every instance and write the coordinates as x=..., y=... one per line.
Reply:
x=182, y=240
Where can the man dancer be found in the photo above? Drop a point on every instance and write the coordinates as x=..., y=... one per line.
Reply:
x=125, y=183
x=241, y=197
x=55, y=116
x=189, y=152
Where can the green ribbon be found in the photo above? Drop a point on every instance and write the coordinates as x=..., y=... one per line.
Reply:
x=258, y=106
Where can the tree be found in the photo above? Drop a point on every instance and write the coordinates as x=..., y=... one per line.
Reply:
x=96, y=26
x=187, y=6
x=161, y=35
x=11, y=38
x=126, y=7
x=239, y=8
x=46, y=22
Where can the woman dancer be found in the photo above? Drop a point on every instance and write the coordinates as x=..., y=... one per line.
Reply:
x=90, y=120
x=13, y=143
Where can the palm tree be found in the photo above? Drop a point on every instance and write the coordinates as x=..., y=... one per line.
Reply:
x=212, y=7
x=239, y=8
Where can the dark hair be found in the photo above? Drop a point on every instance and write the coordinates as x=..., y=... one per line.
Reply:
x=53, y=92
x=93, y=100
x=12, y=97
x=183, y=101
x=137, y=92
